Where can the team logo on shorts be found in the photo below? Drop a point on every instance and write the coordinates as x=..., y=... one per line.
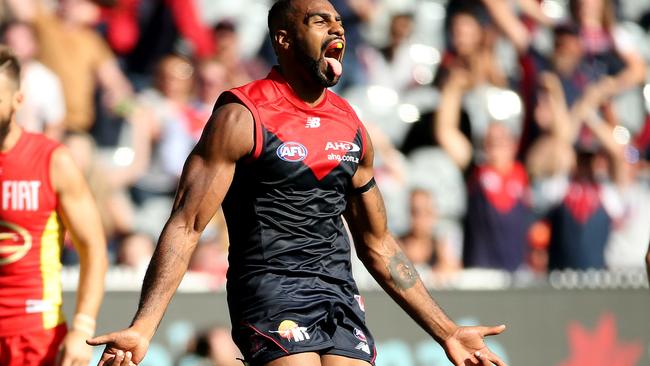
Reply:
x=360, y=335
x=292, y=151
x=290, y=330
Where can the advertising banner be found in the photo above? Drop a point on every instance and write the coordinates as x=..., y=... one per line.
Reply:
x=546, y=327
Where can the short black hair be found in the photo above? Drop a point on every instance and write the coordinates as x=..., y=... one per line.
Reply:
x=9, y=65
x=279, y=16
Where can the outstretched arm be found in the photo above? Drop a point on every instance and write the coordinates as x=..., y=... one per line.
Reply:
x=508, y=22
x=383, y=257
x=80, y=216
x=447, y=119
x=207, y=175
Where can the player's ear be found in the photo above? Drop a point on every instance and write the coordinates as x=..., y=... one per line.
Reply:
x=18, y=99
x=282, y=39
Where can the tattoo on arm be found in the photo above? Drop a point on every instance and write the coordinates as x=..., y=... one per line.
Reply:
x=402, y=271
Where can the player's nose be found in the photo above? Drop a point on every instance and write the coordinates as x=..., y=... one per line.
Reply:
x=337, y=28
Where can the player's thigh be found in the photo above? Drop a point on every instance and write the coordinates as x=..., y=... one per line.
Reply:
x=298, y=359
x=335, y=360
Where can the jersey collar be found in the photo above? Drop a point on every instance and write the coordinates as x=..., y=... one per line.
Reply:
x=285, y=89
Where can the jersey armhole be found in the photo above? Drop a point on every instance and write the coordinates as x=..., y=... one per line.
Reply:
x=236, y=96
x=364, y=138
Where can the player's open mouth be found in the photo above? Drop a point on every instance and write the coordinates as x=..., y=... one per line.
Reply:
x=333, y=55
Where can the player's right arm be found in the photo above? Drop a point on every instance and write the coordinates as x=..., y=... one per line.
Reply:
x=206, y=177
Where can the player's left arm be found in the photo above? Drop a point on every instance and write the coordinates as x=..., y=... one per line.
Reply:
x=385, y=260
x=80, y=216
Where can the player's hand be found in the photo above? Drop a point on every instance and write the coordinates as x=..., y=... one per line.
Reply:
x=124, y=348
x=465, y=346
x=74, y=350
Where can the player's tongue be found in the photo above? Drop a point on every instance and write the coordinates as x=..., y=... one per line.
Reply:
x=333, y=63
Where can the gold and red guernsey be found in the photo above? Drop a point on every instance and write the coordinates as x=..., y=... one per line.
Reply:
x=31, y=236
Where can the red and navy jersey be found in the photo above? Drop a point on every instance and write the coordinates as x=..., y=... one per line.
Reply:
x=580, y=227
x=31, y=236
x=283, y=210
x=497, y=218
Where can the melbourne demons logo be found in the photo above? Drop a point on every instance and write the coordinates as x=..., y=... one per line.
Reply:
x=15, y=242
x=292, y=151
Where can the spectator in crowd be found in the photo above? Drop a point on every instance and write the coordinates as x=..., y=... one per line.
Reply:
x=211, y=260
x=43, y=109
x=71, y=48
x=471, y=47
x=392, y=66
x=135, y=251
x=391, y=175
x=608, y=47
x=239, y=71
x=129, y=19
x=573, y=59
x=581, y=204
x=421, y=243
x=212, y=81
x=497, y=214
x=216, y=347
x=109, y=182
x=177, y=124
x=627, y=240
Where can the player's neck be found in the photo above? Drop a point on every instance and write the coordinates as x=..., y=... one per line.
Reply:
x=9, y=137
x=309, y=92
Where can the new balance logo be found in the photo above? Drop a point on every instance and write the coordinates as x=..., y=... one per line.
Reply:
x=313, y=122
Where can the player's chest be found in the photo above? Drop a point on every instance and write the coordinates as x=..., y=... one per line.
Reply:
x=319, y=145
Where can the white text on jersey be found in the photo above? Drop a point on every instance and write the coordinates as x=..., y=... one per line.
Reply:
x=21, y=195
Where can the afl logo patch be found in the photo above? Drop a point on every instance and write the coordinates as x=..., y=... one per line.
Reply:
x=292, y=151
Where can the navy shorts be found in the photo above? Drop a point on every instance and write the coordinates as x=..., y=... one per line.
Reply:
x=331, y=327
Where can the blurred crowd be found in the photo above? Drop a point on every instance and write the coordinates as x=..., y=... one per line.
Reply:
x=509, y=134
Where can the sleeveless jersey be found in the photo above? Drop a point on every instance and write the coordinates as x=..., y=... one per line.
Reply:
x=30, y=238
x=580, y=227
x=288, y=244
x=497, y=218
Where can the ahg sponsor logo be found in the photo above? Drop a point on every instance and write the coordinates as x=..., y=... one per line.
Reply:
x=292, y=151
x=341, y=158
x=342, y=146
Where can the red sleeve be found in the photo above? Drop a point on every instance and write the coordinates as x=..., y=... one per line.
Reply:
x=123, y=32
x=191, y=27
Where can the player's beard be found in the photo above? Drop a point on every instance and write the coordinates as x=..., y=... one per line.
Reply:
x=326, y=79
x=5, y=124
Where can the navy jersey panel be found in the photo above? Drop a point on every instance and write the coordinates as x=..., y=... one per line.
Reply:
x=577, y=244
